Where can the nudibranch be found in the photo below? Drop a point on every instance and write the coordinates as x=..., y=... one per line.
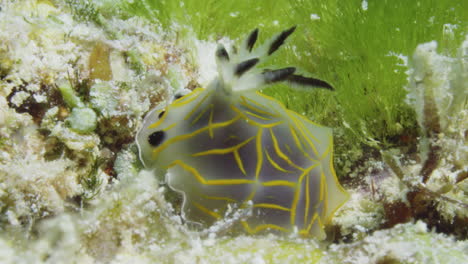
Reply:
x=229, y=145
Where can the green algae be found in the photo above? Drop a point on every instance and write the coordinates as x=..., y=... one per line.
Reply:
x=69, y=95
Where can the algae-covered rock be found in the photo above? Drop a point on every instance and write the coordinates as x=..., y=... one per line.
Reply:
x=73, y=137
x=104, y=98
x=406, y=243
x=82, y=120
x=361, y=214
x=32, y=188
x=438, y=91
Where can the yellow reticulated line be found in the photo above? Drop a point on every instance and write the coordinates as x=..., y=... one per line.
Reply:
x=325, y=200
x=261, y=227
x=210, y=123
x=233, y=149
x=257, y=106
x=164, y=145
x=178, y=103
x=252, y=194
x=322, y=185
x=304, y=233
x=305, y=119
x=299, y=144
x=223, y=150
x=312, y=221
x=190, y=169
x=258, y=116
x=247, y=227
x=275, y=165
x=325, y=153
x=239, y=161
x=157, y=123
x=280, y=183
x=281, y=153
x=269, y=226
x=231, y=136
x=202, y=180
x=307, y=198
x=308, y=136
x=264, y=125
x=227, y=199
x=305, y=134
x=197, y=106
x=207, y=211
x=169, y=127
x=201, y=114
x=272, y=206
x=297, y=192
x=297, y=141
x=298, y=118
x=263, y=109
x=258, y=144
x=187, y=98
x=283, y=108
x=335, y=179
x=288, y=148
x=255, y=123
x=229, y=182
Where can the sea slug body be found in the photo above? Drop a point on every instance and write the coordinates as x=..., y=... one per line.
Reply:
x=229, y=144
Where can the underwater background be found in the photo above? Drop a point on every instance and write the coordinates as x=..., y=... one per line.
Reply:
x=78, y=77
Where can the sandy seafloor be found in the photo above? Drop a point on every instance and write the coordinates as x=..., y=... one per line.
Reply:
x=72, y=96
